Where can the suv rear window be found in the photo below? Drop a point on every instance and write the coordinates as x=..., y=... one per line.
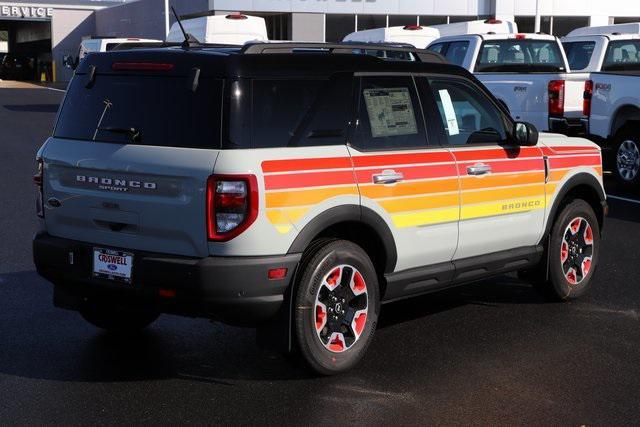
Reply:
x=622, y=55
x=579, y=54
x=514, y=55
x=162, y=111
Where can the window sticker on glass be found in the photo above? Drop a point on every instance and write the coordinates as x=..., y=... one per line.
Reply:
x=390, y=112
x=449, y=112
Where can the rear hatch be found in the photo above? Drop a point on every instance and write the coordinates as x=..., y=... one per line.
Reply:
x=136, y=139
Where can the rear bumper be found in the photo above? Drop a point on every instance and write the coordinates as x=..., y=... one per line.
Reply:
x=569, y=127
x=234, y=290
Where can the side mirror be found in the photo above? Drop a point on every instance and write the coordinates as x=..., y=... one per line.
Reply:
x=525, y=134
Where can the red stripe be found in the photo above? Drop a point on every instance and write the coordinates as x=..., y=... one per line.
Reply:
x=499, y=153
x=290, y=165
x=385, y=160
x=570, y=162
x=516, y=165
x=313, y=179
x=365, y=176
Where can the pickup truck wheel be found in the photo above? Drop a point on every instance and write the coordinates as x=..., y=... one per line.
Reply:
x=117, y=319
x=627, y=160
x=337, y=306
x=574, y=248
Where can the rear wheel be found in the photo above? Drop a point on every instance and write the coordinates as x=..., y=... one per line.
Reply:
x=113, y=318
x=573, y=252
x=627, y=156
x=337, y=306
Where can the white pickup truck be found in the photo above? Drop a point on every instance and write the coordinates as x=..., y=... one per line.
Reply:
x=612, y=55
x=529, y=73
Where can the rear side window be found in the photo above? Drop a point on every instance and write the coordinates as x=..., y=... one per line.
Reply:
x=144, y=110
x=579, y=54
x=390, y=117
x=437, y=48
x=515, y=55
x=622, y=55
x=294, y=113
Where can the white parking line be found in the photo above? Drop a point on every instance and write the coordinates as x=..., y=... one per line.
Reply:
x=57, y=90
x=624, y=199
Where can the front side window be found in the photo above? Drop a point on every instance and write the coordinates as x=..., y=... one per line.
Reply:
x=468, y=116
x=579, y=54
x=622, y=55
x=389, y=115
x=515, y=55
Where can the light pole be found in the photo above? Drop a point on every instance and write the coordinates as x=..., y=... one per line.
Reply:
x=537, y=23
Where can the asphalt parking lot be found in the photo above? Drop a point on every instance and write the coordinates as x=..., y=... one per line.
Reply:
x=489, y=353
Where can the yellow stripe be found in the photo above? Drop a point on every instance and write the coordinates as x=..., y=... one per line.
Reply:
x=432, y=216
x=502, y=207
x=306, y=197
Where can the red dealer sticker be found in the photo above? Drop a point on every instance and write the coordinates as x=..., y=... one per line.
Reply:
x=113, y=265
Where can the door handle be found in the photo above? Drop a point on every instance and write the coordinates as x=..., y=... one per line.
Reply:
x=479, y=169
x=388, y=177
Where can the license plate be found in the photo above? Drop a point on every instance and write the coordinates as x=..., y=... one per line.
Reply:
x=112, y=265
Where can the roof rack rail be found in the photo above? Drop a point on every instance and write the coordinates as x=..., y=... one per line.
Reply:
x=423, y=55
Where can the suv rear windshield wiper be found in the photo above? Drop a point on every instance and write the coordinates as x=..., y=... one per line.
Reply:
x=132, y=133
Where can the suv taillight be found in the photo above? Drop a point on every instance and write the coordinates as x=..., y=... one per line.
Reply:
x=232, y=205
x=556, y=98
x=586, y=98
x=38, y=178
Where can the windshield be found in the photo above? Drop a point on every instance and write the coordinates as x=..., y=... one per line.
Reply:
x=622, y=55
x=514, y=55
x=144, y=110
x=579, y=54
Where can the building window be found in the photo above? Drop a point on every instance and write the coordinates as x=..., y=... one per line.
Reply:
x=402, y=20
x=426, y=20
x=367, y=22
x=278, y=24
x=563, y=25
x=338, y=26
x=527, y=24
x=625, y=20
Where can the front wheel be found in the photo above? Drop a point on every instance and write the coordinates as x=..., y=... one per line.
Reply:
x=337, y=306
x=574, y=247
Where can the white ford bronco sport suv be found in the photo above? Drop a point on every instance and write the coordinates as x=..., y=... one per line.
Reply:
x=296, y=188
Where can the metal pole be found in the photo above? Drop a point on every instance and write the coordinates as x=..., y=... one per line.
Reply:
x=166, y=18
x=537, y=24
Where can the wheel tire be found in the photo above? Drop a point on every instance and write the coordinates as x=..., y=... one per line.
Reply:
x=571, y=250
x=115, y=319
x=320, y=346
x=626, y=156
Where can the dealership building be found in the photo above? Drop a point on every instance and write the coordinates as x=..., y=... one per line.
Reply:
x=45, y=31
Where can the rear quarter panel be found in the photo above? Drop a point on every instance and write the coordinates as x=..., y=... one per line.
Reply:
x=296, y=184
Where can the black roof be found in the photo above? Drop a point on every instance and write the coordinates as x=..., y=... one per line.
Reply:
x=232, y=62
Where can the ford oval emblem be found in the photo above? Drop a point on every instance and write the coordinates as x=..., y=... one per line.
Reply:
x=112, y=267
